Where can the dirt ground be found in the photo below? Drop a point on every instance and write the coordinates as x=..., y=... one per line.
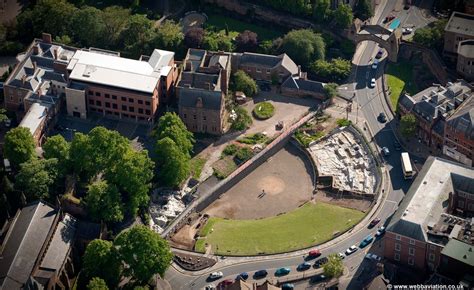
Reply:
x=358, y=204
x=279, y=185
x=184, y=238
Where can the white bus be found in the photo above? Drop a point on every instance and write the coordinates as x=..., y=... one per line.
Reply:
x=408, y=172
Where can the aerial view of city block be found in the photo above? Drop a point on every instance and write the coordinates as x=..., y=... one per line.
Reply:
x=236, y=144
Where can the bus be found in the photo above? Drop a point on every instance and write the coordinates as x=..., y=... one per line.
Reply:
x=408, y=172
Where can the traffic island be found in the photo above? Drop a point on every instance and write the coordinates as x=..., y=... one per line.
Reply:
x=193, y=262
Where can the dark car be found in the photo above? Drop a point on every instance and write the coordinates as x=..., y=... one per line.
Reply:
x=225, y=283
x=319, y=262
x=303, y=266
x=260, y=273
x=374, y=222
x=287, y=286
x=242, y=276
x=282, y=271
x=382, y=118
x=388, y=18
x=397, y=146
x=317, y=279
x=379, y=54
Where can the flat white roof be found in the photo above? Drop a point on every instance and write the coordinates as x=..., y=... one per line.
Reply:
x=33, y=118
x=111, y=70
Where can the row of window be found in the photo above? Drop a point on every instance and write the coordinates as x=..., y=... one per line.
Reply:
x=399, y=238
x=115, y=106
x=185, y=116
x=107, y=112
x=470, y=207
x=411, y=260
x=398, y=247
x=114, y=97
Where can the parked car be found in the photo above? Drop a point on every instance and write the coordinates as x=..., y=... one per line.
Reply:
x=8, y=123
x=389, y=18
x=407, y=30
x=366, y=241
x=282, y=271
x=385, y=151
x=314, y=253
x=303, y=266
x=375, y=64
x=372, y=83
x=373, y=257
x=225, y=283
x=379, y=54
x=317, y=279
x=341, y=255
x=243, y=276
x=319, y=262
x=287, y=286
x=382, y=118
x=380, y=232
x=216, y=275
x=374, y=222
x=352, y=249
x=210, y=287
x=397, y=145
x=260, y=273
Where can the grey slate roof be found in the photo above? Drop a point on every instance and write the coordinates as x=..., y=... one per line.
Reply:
x=461, y=23
x=210, y=100
x=463, y=183
x=463, y=119
x=269, y=61
x=199, y=80
x=303, y=85
x=459, y=251
x=23, y=244
x=406, y=101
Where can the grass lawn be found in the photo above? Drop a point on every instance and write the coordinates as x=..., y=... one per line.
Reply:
x=196, y=164
x=220, y=21
x=308, y=225
x=263, y=110
x=400, y=78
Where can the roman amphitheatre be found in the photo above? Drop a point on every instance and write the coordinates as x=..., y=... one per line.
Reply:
x=274, y=209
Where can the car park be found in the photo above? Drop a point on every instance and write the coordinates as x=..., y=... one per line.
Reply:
x=303, y=266
x=375, y=64
x=243, y=276
x=372, y=257
x=317, y=279
x=319, y=262
x=282, y=271
x=216, y=275
x=366, y=241
x=380, y=232
x=385, y=151
x=374, y=222
x=352, y=249
x=382, y=118
x=287, y=286
x=260, y=273
x=372, y=83
x=397, y=145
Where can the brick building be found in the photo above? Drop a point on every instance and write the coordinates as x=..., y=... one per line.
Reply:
x=465, y=62
x=423, y=224
x=461, y=200
x=299, y=87
x=201, y=91
x=459, y=27
x=105, y=83
x=457, y=259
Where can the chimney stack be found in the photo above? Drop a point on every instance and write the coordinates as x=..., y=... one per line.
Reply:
x=23, y=79
x=36, y=49
x=55, y=52
x=34, y=66
x=46, y=38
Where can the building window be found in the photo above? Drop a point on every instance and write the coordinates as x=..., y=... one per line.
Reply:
x=461, y=203
x=411, y=261
x=98, y=103
x=131, y=109
x=204, y=118
x=114, y=97
x=147, y=103
x=268, y=71
x=116, y=113
x=107, y=96
x=147, y=112
x=398, y=247
x=411, y=251
x=194, y=117
x=140, y=102
x=93, y=110
x=412, y=241
x=130, y=100
x=124, y=99
x=398, y=237
x=91, y=102
x=258, y=70
x=396, y=257
x=124, y=107
x=107, y=104
x=140, y=110
x=91, y=93
x=114, y=106
x=108, y=112
x=97, y=94
x=431, y=257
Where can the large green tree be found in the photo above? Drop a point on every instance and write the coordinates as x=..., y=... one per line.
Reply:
x=243, y=119
x=247, y=41
x=143, y=252
x=244, y=83
x=217, y=41
x=432, y=35
x=408, y=125
x=170, y=125
x=19, y=146
x=115, y=19
x=343, y=16
x=103, y=202
x=81, y=162
x=136, y=35
x=101, y=260
x=337, y=69
x=173, y=164
x=89, y=27
x=57, y=147
x=97, y=283
x=36, y=178
x=303, y=46
x=334, y=267
x=330, y=90
x=169, y=36
x=363, y=9
x=321, y=10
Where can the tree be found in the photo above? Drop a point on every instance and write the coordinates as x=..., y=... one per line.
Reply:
x=244, y=83
x=364, y=10
x=81, y=162
x=431, y=36
x=136, y=35
x=408, y=125
x=243, y=119
x=169, y=36
x=193, y=37
x=321, y=10
x=103, y=202
x=19, y=145
x=173, y=164
x=303, y=46
x=89, y=27
x=105, y=147
x=330, y=90
x=144, y=253
x=170, y=125
x=336, y=69
x=343, y=16
x=247, y=41
x=114, y=18
x=100, y=260
x=97, y=283
x=217, y=41
x=36, y=178
x=3, y=115
x=57, y=147
x=334, y=266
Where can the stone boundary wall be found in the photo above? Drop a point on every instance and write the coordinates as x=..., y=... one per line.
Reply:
x=314, y=168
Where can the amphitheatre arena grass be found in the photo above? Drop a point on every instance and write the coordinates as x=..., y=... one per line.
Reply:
x=308, y=225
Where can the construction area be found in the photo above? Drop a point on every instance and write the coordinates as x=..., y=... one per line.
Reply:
x=342, y=157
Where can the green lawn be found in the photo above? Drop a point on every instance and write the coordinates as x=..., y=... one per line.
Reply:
x=263, y=110
x=308, y=225
x=196, y=164
x=400, y=78
x=219, y=22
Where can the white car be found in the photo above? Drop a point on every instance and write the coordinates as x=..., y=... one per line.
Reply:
x=373, y=257
x=216, y=275
x=407, y=30
x=341, y=255
x=380, y=232
x=375, y=64
x=210, y=287
x=351, y=250
x=372, y=83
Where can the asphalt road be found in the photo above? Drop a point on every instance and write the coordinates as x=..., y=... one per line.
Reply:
x=371, y=103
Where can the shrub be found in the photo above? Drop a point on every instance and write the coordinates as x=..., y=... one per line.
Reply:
x=230, y=149
x=243, y=120
x=263, y=110
x=253, y=139
x=343, y=122
x=244, y=154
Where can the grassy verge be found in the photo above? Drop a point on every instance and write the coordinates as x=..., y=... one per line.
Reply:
x=252, y=139
x=305, y=139
x=196, y=164
x=400, y=78
x=308, y=225
x=200, y=246
x=206, y=229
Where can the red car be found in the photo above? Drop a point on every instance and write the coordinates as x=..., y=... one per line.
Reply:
x=225, y=283
x=314, y=253
x=389, y=18
x=374, y=222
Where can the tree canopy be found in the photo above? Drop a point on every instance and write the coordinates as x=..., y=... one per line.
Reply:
x=100, y=260
x=36, y=178
x=408, y=125
x=330, y=90
x=144, y=253
x=303, y=46
x=57, y=147
x=103, y=202
x=193, y=37
x=337, y=69
x=170, y=125
x=363, y=9
x=244, y=83
x=247, y=41
x=334, y=267
x=97, y=283
x=243, y=119
x=173, y=164
x=19, y=145
x=432, y=35
x=321, y=10
x=343, y=16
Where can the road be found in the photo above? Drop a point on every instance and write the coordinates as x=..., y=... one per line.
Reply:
x=371, y=103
